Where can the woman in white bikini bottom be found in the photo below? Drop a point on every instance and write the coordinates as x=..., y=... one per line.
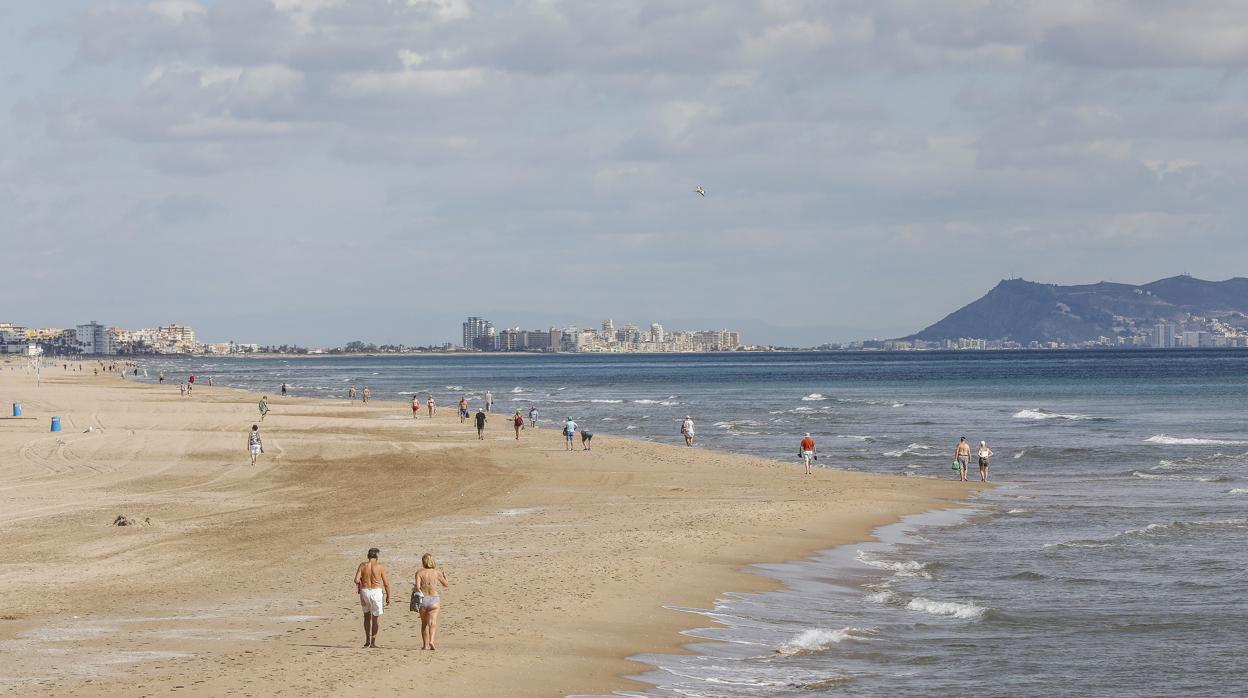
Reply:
x=427, y=581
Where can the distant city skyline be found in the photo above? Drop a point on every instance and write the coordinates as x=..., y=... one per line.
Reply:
x=867, y=166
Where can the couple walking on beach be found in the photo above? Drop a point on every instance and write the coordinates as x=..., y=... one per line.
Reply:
x=373, y=585
x=962, y=459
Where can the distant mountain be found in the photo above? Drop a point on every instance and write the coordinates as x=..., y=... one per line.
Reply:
x=1025, y=311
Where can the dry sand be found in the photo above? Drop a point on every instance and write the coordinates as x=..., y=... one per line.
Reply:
x=560, y=563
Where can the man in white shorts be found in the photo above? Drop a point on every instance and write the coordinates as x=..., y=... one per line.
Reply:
x=374, y=587
x=807, y=452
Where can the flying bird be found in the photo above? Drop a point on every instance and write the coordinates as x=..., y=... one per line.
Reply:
x=700, y=190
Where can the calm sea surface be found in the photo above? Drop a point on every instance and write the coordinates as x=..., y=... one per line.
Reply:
x=1110, y=562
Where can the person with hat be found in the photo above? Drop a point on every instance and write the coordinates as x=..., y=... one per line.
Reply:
x=807, y=451
x=569, y=431
x=984, y=454
x=373, y=585
x=480, y=419
x=686, y=430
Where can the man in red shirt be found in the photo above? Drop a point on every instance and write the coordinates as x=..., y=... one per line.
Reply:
x=807, y=452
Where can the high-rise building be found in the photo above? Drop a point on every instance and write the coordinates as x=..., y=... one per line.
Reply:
x=608, y=330
x=511, y=339
x=629, y=334
x=95, y=339
x=657, y=334
x=1196, y=340
x=476, y=330
x=1163, y=337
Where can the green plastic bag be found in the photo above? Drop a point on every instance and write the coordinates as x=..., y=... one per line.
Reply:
x=957, y=465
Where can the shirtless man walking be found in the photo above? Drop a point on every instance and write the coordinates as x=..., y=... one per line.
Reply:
x=962, y=454
x=374, y=587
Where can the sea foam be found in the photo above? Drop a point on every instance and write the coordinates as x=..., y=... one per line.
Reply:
x=952, y=609
x=1185, y=441
x=1039, y=414
x=817, y=639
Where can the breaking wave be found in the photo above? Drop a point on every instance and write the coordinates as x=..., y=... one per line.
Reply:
x=818, y=639
x=1185, y=441
x=951, y=609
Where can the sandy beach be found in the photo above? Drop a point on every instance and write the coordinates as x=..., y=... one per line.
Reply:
x=237, y=581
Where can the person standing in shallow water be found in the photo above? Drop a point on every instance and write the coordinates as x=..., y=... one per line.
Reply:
x=686, y=430
x=984, y=454
x=962, y=455
x=427, y=581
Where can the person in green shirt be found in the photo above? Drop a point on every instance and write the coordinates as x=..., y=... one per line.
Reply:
x=264, y=407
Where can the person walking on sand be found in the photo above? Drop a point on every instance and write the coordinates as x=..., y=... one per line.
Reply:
x=463, y=409
x=962, y=456
x=367, y=394
x=254, y=445
x=481, y=425
x=533, y=416
x=489, y=401
x=984, y=454
x=427, y=581
x=569, y=431
x=264, y=407
x=431, y=404
x=182, y=389
x=373, y=585
x=686, y=430
x=351, y=394
x=415, y=406
x=518, y=422
x=807, y=451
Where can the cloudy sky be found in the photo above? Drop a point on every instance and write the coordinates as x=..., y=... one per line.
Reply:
x=326, y=170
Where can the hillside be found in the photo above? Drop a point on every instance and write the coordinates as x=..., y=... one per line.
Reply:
x=1026, y=311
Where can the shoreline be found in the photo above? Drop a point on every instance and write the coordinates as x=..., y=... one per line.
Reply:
x=702, y=518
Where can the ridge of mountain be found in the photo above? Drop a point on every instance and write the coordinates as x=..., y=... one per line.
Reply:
x=1027, y=311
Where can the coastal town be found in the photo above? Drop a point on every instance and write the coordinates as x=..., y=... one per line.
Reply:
x=481, y=335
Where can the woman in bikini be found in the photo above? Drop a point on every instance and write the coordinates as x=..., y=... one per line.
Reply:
x=427, y=581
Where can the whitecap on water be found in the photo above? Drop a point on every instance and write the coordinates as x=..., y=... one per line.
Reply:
x=818, y=639
x=1189, y=478
x=815, y=397
x=911, y=450
x=1189, y=441
x=952, y=609
x=1039, y=414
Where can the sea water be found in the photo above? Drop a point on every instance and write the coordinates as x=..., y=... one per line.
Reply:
x=1110, y=561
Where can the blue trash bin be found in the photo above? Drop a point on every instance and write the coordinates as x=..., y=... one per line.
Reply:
x=56, y=424
x=17, y=409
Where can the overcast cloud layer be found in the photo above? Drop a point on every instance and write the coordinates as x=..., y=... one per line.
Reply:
x=325, y=170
